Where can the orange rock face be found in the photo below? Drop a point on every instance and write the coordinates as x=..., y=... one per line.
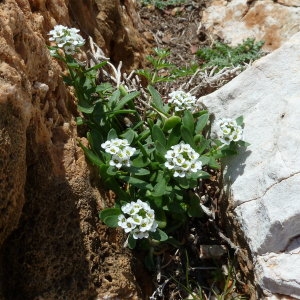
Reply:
x=53, y=245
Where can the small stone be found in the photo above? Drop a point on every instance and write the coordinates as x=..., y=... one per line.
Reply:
x=211, y=251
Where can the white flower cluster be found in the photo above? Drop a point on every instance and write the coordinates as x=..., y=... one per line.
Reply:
x=182, y=101
x=120, y=151
x=183, y=160
x=229, y=130
x=138, y=219
x=66, y=38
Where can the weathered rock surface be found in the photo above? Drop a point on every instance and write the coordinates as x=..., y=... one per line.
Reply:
x=263, y=182
x=49, y=198
x=265, y=20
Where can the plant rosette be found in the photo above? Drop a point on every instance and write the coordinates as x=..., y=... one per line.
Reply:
x=160, y=157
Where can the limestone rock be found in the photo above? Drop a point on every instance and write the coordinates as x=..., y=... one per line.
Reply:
x=52, y=243
x=265, y=20
x=263, y=181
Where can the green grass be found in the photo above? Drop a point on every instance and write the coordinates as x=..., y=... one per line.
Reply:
x=163, y=4
x=223, y=55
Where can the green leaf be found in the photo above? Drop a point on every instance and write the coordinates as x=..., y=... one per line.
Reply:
x=112, y=134
x=240, y=120
x=141, y=184
x=111, y=221
x=144, y=135
x=121, y=111
x=73, y=65
x=160, y=218
x=160, y=149
x=156, y=99
x=243, y=143
x=110, y=216
x=138, y=171
x=200, y=175
x=79, y=121
x=104, y=87
x=114, y=211
x=183, y=182
x=187, y=136
x=131, y=241
x=91, y=156
x=114, y=98
x=126, y=99
x=188, y=121
x=160, y=188
x=171, y=122
x=141, y=161
x=174, y=136
x=96, y=67
x=129, y=135
x=85, y=106
x=204, y=144
x=159, y=235
x=194, y=209
x=158, y=135
x=204, y=159
x=213, y=163
x=111, y=171
x=145, y=150
x=95, y=140
x=201, y=123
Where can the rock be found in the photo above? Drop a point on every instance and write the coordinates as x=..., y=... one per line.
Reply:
x=271, y=21
x=113, y=25
x=263, y=181
x=211, y=251
x=52, y=243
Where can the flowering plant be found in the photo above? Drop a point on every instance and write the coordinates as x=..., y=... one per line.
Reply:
x=120, y=150
x=66, y=38
x=182, y=101
x=144, y=147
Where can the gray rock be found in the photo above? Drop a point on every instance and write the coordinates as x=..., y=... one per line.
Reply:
x=236, y=20
x=264, y=180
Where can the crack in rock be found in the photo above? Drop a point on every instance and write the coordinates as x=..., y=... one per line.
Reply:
x=268, y=188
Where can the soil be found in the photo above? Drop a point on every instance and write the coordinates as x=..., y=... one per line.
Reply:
x=193, y=271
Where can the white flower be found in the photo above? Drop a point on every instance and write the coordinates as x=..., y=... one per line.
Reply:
x=69, y=49
x=229, y=130
x=139, y=234
x=186, y=165
x=66, y=38
x=131, y=208
x=196, y=166
x=116, y=161
x=182, y=101
x=182, y=160
x=153, y=227
x=128, y=151
x=129, y=225
x=120, y=150
x=121, y=221
x=57, y=32
x=193, y=155
x=144, y=205
x=170, y=164
x=179, y=172
x=179, y=160
x=138, y=219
